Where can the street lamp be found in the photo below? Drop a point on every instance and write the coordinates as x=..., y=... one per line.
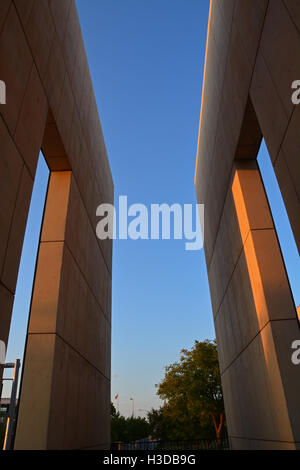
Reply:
x=131, y=399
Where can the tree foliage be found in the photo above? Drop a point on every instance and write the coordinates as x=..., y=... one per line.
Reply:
x=193, y=396
x=127, y=429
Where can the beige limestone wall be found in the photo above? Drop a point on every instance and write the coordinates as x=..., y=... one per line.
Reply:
x=251, y=62
x=65, y=397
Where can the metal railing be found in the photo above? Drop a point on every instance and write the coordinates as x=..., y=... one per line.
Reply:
x=191, y=444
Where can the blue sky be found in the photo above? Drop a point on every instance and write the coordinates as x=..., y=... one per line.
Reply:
x=146, y=60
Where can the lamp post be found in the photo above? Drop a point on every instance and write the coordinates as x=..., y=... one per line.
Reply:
x=131, y=399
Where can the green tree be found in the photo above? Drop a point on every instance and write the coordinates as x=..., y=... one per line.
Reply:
x=127, y=429
x=113, y=411
x=193, y=396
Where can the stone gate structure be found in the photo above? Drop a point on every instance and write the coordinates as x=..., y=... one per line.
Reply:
x=252, y=58
x=50, y=105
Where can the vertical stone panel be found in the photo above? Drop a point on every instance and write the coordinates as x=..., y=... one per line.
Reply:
x=36, y=394
x=257, y=299
x=34, y=408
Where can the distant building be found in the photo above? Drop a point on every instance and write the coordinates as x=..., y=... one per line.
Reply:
x=4, y=407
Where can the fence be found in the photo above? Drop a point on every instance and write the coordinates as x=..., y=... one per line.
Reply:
x=194, y=444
